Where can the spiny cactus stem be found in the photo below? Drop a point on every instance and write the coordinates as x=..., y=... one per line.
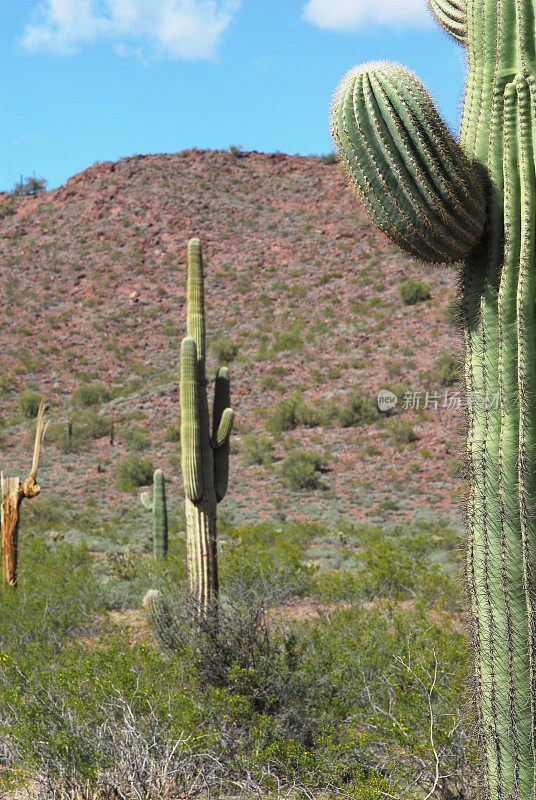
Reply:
x=196, y=300
x=201, y=548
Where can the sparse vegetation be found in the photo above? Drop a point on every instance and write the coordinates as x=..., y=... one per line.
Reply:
x=224, y=350
x=29, y=402
x=414, y=291
x=302, y=469
x=257, y=449
x=357, y=409
x=133, y=471
x=90, y=394
x=292, y=411
x=31, y=185
x=401, y=432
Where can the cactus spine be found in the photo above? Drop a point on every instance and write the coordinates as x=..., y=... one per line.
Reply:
x=158, y=506
x=420, y=186
x=205, y=455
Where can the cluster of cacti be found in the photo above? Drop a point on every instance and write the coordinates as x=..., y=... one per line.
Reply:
x=204, y=453
x=443, y=202
x=160, y=524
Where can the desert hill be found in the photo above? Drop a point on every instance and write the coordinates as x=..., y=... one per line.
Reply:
x=302, y=294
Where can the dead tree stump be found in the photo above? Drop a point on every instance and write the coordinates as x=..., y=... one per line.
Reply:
x=13, y=493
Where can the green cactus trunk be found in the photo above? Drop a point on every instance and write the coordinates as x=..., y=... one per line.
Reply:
x=159, y=508
x=499, y=311
x=394, y=152
x=205, y=457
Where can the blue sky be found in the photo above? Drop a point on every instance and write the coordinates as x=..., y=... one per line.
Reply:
x=95, y=80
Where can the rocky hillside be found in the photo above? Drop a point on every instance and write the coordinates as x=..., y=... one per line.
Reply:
x=302, y=295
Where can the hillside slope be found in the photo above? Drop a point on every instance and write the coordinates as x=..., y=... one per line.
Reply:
x=93, y=289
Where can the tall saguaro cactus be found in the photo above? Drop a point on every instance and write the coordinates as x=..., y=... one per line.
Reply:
x=205, y=454
x=475, y=201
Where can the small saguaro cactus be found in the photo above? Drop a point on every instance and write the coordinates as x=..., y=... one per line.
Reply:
x=205, y=453
x=158, y=506
x=475, y=202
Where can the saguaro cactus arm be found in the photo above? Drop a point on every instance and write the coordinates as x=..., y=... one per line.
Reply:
x=146, y=501
x=191, y=424
x=411, y=175
x=222, y=423
x=452, y=16
x=160, y=523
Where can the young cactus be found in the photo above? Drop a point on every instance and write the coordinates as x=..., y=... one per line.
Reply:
x=443, y=202
x=158, y=506
x=205, y=454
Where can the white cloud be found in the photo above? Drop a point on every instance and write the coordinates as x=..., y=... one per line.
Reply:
x=188, y=29
x=351, y=15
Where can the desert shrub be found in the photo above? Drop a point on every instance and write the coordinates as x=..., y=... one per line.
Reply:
x=414, y=291
x=136, y=439
x=47, y=511
x=236, y=150
x=267, y=558
x=289, y=339
x=56, y=597
x=339, y=704
x=301, y=469
x=257, y=449
x=330, y=158
x=7, y=208
x=224, y=350
x=31, y=185
x=173, y=433
x=292, y=411
x=29, y=402
x=86, y=425
x=90, y=394
x=133, y=471
x=401, y=432
x=357, y=409
x=446, y=370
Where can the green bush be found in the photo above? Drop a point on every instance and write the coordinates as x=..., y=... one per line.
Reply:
x=86, y=425
x=288, y=340
x=301, y=469
x=257, y=449
x=401, y=432
x=414, y=291
x=173, y=433
x=136, y=439
x=336, y=703
x=90, y=394
x=292, y=411
x=29, y=402
x=446, y=370
x=133, y=471
x=7, y=208
x=224, y=350
x=358, y=409
x=31, y=185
